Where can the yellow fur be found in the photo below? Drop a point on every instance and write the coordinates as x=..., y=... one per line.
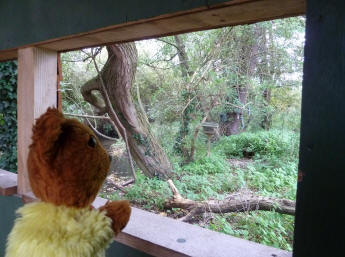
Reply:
x=47, y=230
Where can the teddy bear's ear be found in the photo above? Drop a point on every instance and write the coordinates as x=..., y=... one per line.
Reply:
x=46, y=132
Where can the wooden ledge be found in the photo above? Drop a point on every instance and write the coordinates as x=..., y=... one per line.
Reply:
x=162, y=236
x=8, y=183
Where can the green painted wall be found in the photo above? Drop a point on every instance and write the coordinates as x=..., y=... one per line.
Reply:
x=30, y=21
x=8, y=206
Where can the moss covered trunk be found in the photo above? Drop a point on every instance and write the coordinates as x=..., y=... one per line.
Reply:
x=118, y=74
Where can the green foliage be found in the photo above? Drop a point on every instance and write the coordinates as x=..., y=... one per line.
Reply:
x=272, y=178
x=272, y=173
x=208, y=165
x=203, y=187
x=149, y=193
x=8, y=116
x=265, y=144
x=180, y=142
x=267, y=228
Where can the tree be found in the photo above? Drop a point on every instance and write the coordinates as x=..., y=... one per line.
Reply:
x=247, y=39
x=118, y=75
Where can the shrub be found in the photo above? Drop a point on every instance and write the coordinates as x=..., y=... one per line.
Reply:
x=8, y=116
x=259, y=144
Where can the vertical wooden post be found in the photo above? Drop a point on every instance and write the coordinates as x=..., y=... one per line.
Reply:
x=36, y=92
x=320, y=209
x=59, y=80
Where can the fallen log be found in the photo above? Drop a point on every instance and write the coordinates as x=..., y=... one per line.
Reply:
x=239, y=202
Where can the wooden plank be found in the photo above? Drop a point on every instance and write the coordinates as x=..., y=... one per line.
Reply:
x=320, y=212
x=162, y=236
x=29, y=197
x=8, y=55
x=59, y=80
x=36, y=92
x=8, y=183
x=226, y=14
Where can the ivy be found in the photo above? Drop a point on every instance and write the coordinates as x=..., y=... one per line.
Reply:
x=180, y=144
x=8, y=116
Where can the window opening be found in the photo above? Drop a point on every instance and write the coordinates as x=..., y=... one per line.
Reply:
x=245, y=81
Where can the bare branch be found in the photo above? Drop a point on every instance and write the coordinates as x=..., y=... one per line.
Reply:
x=119, y=187
x=99, y=133
x=87, y=116
x=167, y=42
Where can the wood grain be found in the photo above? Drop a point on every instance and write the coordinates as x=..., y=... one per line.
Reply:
x=161, y=236
x=320, y=209
x=8, y=183
x=226, y=14
x=36, y=92
x=58, y=84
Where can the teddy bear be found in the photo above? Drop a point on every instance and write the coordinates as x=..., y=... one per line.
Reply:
x=66, y=167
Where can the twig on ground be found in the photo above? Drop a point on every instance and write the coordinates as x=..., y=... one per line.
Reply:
x=119, y=187
x=128, y=182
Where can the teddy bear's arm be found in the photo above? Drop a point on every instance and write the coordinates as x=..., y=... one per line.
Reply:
x=118, y=212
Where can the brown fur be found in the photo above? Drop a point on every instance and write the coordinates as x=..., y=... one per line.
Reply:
x=119, y=212
x=65, y=170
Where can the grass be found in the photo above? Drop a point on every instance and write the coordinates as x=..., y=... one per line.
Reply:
x=272, y=172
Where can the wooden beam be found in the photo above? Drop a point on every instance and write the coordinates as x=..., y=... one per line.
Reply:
x=230, y=13
x=8, y=183
x=59, y=80
x=161, y=236
x=37, y=80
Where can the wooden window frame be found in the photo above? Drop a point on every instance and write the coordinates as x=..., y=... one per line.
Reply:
x=37, y=80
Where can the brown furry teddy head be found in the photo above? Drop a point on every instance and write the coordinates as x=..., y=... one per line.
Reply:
x=67, y=164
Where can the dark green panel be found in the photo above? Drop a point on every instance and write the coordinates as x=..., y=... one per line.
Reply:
x=320, y=214
x=119, y=250
x=30, y=21
x=8, y=207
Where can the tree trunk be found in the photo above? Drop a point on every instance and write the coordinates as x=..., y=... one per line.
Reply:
x=267, y=119
x=118, y=74
x=182, y=56
x=180, y=144
x=269, y=70
x=232, y=122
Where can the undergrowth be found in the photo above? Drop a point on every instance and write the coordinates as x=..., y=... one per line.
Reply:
x=261, y=145
x=271, y=171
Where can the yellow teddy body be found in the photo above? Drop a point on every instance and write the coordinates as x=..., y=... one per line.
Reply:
x=47, y=230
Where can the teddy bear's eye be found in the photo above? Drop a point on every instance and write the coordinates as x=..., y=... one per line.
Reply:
x=92, y=142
